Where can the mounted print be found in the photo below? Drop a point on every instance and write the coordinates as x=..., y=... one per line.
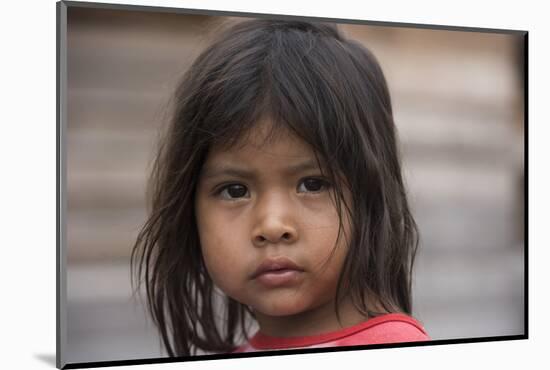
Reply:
x=234, y=185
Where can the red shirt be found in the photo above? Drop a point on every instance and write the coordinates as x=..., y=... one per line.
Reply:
x=389, y=328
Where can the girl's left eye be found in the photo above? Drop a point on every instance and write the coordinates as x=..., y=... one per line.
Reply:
x=312, y=185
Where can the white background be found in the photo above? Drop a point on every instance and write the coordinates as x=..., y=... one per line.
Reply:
x=28, y=182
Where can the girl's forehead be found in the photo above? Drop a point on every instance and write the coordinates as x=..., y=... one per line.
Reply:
x=264, y=140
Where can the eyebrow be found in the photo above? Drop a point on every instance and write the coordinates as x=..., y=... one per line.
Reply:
x=243, y=172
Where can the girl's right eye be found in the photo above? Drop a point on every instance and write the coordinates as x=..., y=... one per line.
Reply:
x=233, y=191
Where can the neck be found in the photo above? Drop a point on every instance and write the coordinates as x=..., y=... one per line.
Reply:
x=318, y=320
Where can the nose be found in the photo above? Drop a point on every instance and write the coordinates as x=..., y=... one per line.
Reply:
x=275, y=221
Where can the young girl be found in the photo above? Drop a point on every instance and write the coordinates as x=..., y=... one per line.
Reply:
x=277, y=199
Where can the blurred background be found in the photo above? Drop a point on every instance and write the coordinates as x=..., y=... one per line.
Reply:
x=458, y=104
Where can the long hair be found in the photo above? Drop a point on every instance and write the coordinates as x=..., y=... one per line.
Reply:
x=330, y=92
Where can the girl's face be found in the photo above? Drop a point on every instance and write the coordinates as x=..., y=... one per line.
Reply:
x=268, y=226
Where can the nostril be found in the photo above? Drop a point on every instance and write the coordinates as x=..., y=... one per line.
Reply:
x=286, y=237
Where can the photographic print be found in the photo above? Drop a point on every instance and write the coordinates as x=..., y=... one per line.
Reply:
x=238, y=184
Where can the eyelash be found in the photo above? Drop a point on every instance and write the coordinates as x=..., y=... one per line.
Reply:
x=219, y=192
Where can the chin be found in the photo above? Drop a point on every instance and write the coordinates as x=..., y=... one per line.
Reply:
x=279, y=309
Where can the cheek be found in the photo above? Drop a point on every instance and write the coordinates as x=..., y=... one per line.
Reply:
x=329, y=253
x=220, y=249
x=322, y=229
x=328, y=247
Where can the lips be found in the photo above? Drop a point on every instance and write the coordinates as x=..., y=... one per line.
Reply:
x=275, y=272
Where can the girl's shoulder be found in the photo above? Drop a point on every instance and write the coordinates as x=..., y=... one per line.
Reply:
x=388, y=328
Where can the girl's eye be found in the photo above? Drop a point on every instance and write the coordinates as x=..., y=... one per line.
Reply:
x=234, y=191
x=312, y=185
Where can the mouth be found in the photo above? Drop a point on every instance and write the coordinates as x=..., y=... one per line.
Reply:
x=280, y=271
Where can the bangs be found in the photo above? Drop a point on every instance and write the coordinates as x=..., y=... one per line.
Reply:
x=283, y=73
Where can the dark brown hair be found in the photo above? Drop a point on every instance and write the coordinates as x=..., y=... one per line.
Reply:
x=330, y=92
